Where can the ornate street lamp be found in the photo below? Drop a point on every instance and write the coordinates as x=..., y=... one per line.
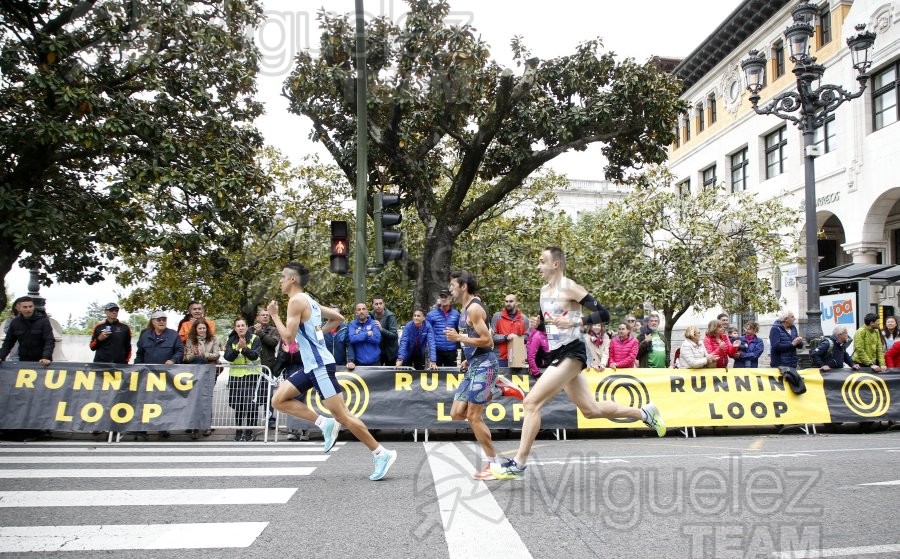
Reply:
x=813, y=103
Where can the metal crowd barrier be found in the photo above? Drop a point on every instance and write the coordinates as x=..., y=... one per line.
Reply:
x=259, y=397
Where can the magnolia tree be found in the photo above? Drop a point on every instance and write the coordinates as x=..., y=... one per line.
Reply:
x=701, y=250
x=440, y=110
x=124, y=127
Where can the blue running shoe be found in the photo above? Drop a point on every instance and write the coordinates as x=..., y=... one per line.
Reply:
x=330, y=431
x=383, y=463
x=508, y=469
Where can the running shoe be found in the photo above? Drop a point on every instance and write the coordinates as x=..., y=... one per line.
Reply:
x=330, y=431
x=507, y=469
x=485, y=474
x=383, y=463
x=508, y=389
x=654, y=420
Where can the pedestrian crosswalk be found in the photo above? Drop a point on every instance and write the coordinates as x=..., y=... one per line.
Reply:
x=92, y=483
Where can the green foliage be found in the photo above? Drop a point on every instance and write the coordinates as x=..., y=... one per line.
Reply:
x=441, y=112
x=697, y=251
x=125, y=127
x=235, y=278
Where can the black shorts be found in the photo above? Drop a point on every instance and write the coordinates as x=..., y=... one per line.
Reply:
x=572, y=350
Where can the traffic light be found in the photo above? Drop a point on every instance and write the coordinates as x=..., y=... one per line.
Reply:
x=391, y=238
x=340, y=248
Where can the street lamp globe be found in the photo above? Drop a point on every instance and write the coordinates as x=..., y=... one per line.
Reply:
x=860, y=48
x=754, y=67
x=797, y=37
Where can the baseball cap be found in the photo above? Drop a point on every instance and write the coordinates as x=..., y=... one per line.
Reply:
x=158, y=314
x=444, y=293
x=110, y=306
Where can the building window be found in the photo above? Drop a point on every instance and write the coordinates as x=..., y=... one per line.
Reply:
x=709, y=176
x=687, y=128
x=824, y=136
x=776, y=142
x=711, y=108
x=824, y=25
x=701, y=122
x=884, y=97
x=739, y=165
x=684, y=188
x=778, y=59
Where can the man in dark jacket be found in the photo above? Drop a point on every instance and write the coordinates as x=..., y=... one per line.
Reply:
x=784, y=341
x=390, y=335
x=158, y=344
x=363, y=339
x=441, y=317
x=33, y=333
x=268, y=337
x=832, y=352
x=111, y=340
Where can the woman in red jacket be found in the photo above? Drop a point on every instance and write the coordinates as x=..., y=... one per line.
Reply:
x=718, y=344
x=623, y=349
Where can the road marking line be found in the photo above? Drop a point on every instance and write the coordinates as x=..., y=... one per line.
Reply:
x=22, y=539
x=158, y=459
x=474, y=524
x=837, y=552
x=894, y=482
x=585, y=461
x=66, y=473
x=114, y=449
x=147, y=497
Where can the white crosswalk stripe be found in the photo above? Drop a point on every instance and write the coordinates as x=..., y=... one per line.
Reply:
x=118, y=476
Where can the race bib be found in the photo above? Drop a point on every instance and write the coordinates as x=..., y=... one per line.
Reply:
x=552, y=332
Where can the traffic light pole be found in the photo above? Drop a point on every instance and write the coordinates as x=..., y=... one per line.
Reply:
x=362, y=156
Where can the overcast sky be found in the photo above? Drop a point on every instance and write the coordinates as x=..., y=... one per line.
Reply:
x=634, y=28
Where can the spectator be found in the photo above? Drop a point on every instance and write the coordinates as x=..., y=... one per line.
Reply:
x=868, y=349
x=751, y=347
x=784, y=341
x=111, y=339
x=158, y=344
x=718, y=344
x=14, y=352
x=724, y=320
x=892, y=357
x=201, y=348
x=268, y=337
x=417, y=344
x=597, y=343
x=364, y=337
x=441, y=317
x=890, y=333
x=336, y=342
x=623, y=349
x=633, y=324
x=832, y=352
x=653, y=350
x=246, y=389
x=538, y=348
x=387, y=323
x=507, y=325
x=33, y=333
x=195, y=313
x=692, y=353
x=287, y=363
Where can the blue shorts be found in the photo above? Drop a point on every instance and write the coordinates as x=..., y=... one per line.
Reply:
x=323, y=379
x=479, y=379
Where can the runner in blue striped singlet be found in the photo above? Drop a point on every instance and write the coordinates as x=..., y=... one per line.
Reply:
x=303, y=324
x=561, y=303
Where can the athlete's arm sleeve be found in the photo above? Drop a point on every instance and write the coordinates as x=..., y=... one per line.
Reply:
x=599, y=312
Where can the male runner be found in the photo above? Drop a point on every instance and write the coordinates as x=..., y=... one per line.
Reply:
x=480, y=365
x=304, y=324
x=561, y=302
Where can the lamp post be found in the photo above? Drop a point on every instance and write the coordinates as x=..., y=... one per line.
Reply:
x=813, y=103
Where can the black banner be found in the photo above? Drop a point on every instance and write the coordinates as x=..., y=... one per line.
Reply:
x=101, y=397
x=862, y=395
x=387, y=398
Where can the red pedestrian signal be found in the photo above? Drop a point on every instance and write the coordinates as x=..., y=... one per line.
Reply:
x=340, y=249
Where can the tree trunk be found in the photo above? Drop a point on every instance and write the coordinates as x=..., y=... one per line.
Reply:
x=434, y=273
x=9, y=253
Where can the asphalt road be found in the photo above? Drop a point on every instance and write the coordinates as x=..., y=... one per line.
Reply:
x=718, y=496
